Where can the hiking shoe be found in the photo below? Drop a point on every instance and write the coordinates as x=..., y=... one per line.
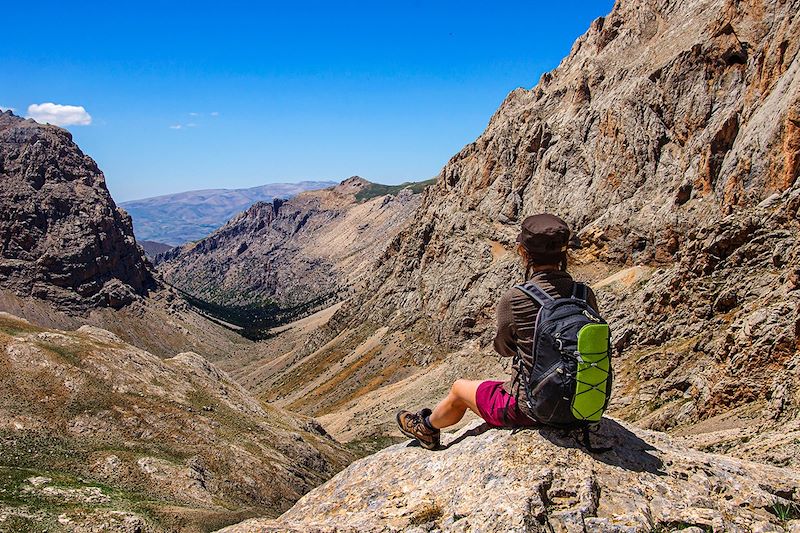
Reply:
x=413, y=425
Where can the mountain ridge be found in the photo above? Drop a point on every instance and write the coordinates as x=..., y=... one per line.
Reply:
x=178, y=218
x=295, y=253
x=63, y=237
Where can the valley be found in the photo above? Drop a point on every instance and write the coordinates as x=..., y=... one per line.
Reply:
x=249, y=377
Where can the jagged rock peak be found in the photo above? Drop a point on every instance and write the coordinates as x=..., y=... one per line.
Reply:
x=352, y=185
x=260, y=209
x=62, y=237
x=541, y=480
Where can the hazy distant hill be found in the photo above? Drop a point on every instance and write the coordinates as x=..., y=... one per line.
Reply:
x=175, y=219
x=153, y=248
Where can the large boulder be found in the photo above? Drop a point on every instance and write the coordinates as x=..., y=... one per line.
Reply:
x=542, y=480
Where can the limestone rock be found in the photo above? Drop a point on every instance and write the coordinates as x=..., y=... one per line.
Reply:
x=541, y=480
x=97, y=425
x=677, y=91
x=667, y=139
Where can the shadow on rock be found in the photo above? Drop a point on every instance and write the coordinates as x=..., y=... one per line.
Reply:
x=627, y=450
x=474, y=432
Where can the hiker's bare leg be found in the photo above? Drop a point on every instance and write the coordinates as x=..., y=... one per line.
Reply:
x=452, y=408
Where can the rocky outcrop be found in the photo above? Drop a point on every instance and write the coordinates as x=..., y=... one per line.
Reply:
x=95, y=433
x=293, y=252
x=718, y=332
x=541, y=480
x=667, y=139
x=62, y=237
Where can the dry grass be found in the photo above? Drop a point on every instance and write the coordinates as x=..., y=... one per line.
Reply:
x=430, y=512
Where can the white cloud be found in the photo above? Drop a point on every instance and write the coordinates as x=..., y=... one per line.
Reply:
x=176, y=127
x=215, y=113
x=4, y=108
x=191, y=125
x=60, y=115
x=193, y=114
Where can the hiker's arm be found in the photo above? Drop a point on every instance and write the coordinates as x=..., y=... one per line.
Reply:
x=505, y=341
x=591, y=299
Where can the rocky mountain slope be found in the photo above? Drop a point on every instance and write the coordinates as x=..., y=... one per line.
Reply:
x=176, y=219
x=62, y=237
x=97, y=435
x=665, y=118
x=294, y=253
x=669, y=139
x=163, y=324
x=539, y=480
x=69, y=256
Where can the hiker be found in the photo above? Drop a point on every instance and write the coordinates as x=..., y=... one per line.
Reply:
x=542, y=245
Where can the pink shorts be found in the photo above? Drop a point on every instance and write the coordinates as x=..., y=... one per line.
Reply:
x=499, y=408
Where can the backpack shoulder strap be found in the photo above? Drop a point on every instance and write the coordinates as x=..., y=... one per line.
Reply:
x=534, y=291
x=579, y=291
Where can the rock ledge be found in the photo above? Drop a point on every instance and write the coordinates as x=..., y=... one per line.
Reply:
x=540, y=480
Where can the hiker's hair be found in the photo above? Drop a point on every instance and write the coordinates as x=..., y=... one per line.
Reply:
x=530, y=264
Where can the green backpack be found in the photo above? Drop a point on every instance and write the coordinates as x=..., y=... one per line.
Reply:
x=569, y=383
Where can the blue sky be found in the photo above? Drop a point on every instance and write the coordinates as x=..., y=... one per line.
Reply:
x=192, y=95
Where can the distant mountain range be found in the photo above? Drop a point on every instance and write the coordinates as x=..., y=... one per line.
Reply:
x=176, y=219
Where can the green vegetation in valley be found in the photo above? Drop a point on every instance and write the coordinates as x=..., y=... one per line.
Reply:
x=68, y=354
x=376, y=189
x=28, y=454
x=255, y=320
x=34, y=510
x=14, y=327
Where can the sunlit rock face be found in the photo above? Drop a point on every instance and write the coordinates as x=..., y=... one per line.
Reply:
x=668, y=139
x=540, y=480
x=310, y=249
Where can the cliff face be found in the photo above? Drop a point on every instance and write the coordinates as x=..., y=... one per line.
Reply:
x=62, y=237
x=668, y=139
x=68, y=256
x=293, y=252
x=665, y=117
